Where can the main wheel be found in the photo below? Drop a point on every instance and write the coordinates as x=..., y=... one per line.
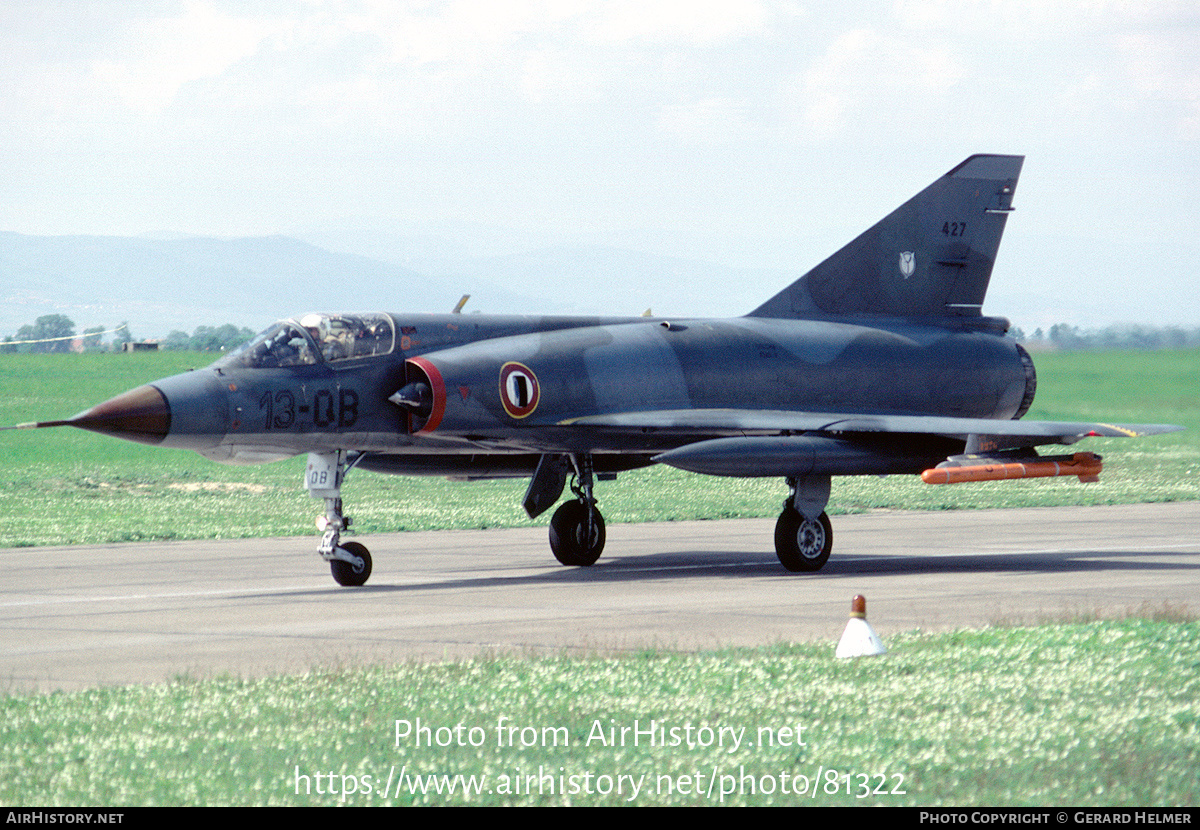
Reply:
x=346, y=574
x=803, y=544
x=568, y=529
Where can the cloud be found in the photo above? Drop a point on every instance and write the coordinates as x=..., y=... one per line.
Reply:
x=694, y=22
x=159, y=56
x=866, y=71
x=711, y=122
x=138, y=108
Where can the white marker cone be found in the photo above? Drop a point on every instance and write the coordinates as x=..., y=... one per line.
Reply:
x=859, y=639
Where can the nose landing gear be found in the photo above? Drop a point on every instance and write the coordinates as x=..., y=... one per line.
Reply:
x=350, y=563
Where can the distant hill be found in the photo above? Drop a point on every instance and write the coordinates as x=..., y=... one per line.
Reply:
x=572, y=276
x=162, y=284
x=603, y=280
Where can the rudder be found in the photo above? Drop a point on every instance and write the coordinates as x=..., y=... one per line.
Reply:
x=931, y=257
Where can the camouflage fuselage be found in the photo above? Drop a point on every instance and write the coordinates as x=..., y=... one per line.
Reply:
x=513, y=384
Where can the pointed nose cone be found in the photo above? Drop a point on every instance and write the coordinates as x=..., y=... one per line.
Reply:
x=139, y=415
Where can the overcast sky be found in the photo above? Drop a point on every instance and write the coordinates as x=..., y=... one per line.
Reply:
x=748, y=132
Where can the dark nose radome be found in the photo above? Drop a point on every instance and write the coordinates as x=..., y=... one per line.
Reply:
x=139, y=415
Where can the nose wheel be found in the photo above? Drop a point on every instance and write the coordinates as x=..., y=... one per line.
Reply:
x=354, y=570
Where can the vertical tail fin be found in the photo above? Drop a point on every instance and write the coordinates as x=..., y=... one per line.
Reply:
x=931, y=257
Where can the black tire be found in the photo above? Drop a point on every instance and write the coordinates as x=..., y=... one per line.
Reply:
x=803, y=545
x=567, y=529
x=344, y=573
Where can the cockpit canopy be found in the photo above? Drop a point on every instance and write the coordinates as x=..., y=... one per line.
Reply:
x=316, y=338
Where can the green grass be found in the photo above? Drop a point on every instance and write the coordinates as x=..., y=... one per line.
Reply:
x=1100, y=713
x=67, y=486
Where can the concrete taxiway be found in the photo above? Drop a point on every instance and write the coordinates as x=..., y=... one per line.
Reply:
x=81, y=616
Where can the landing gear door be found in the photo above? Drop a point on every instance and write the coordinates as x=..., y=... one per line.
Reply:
x=547, y=484
x=321, y=475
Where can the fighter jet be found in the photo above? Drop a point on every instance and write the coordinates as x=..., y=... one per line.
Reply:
x=878, y=361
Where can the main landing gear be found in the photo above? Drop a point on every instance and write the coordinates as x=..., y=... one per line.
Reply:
x=803, y=534
x=577, y=528
x=350, y=562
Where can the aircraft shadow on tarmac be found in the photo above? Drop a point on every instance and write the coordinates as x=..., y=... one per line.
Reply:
x=1049, y=562
x=758, y=564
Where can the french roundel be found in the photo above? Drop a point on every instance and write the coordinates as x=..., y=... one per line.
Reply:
x=519, y=389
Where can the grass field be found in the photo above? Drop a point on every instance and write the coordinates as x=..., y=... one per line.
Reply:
x=1099, y=713
x=67, y=486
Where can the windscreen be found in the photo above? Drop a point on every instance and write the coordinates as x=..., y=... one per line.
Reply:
x=315, y=338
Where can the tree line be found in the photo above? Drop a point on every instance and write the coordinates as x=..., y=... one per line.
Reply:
x=207, y=339
x=1064, y=337
x=55, y=333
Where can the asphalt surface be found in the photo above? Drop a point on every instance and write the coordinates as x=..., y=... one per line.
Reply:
x=82, y=616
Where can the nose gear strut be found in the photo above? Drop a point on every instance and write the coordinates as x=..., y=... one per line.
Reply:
x=350, y=562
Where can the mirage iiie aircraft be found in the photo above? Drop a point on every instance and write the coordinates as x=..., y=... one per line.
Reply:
x=878, y=361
